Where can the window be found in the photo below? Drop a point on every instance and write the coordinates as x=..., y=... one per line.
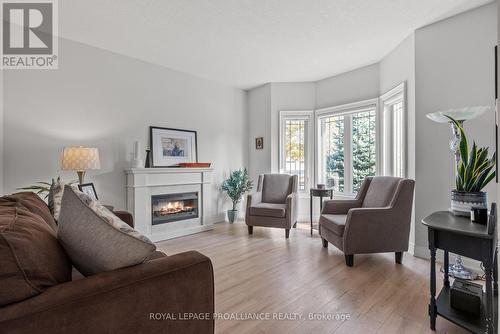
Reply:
x=394, y=138
x=347, y=145
x=294, y=145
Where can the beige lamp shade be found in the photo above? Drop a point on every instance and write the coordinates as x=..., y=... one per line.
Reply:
x=80, y=158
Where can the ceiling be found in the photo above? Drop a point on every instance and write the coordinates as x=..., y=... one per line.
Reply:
x=245, y=43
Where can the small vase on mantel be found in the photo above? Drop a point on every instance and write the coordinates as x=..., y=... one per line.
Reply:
x=462, y=202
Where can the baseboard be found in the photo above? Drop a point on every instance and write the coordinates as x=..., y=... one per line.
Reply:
x=218, y=218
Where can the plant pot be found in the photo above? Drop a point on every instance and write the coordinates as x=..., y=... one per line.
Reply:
x=231, y=215
x=463, y=202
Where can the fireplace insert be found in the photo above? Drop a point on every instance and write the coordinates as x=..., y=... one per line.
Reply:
x=169, y=208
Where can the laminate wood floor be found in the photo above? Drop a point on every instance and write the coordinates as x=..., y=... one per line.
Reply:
x=265, y=273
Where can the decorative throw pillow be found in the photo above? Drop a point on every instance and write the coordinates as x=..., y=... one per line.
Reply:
x=55, y=197
x=31, y=258
x=95, y=239
x=31, y=202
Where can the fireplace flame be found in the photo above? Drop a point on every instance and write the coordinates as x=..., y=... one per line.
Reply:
x=173, y=208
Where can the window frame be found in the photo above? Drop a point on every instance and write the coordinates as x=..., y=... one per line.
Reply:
x=345, y=110
x=387, y=101
x=308, y=117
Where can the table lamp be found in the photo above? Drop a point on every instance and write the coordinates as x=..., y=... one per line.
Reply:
x=80, y=159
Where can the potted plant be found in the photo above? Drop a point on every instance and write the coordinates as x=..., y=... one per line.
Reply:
x=236, y=186
x=474, y=171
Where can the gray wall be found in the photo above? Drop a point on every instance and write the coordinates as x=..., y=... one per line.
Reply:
x=357, y=85
x=1, y=132
x=99, y=98
x=454, y=68
x=259, y=125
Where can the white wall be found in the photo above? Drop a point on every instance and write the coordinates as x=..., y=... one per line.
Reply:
x=454, y=68
x=399, y=66
x=353, y=86
x=99, y=98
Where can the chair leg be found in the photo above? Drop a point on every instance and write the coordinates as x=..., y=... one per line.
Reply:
x=399, y=257
x=287, y=233
x=250, y=229
x=325, y=243
x=349, y=260
x=295, y=225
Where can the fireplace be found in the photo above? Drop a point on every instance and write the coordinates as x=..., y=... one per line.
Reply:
x=169, y=208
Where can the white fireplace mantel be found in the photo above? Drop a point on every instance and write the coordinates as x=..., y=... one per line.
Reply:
x=143, y=183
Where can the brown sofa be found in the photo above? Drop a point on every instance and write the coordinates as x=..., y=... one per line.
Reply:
x=274, y=204
x=165, y=294
x=376, y=221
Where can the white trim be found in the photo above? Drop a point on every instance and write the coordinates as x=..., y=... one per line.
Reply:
x=308, y=116
x=387, y=100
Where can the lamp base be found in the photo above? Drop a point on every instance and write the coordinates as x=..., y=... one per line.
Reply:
x=81, y=176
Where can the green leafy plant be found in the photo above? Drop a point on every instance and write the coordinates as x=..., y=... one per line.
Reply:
x=475, y=170
x=42, y=188
x=237, y=185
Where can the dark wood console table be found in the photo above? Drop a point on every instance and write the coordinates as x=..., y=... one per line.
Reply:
x=458, y=235
x=317, y=192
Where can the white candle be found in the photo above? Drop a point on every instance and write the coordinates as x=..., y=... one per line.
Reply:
x=137, y=150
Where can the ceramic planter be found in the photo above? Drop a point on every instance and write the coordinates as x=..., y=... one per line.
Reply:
x=231, y=215
x=463, y=202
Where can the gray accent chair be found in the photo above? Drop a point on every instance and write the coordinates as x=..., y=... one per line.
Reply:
x=376, y=221
x=274, y=204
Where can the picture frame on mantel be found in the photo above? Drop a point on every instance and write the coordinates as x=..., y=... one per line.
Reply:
x=170, y=147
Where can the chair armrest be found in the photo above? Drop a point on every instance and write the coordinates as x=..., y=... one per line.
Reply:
x=340, y=207
x=292, y=211
x=254, y=198
x=125, y=217
x=376, y=230
x=122, y=301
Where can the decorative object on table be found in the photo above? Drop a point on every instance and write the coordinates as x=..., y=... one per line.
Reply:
x=80, y=159
x=137, y=162
x=259, y=143
x=170, y=147
x=236, y=186
x=89, y=190
x=195, y=164
x=320, y=191
x=473, y=173
x=479, y=215
x=147, y=164
x=42, y=188
x=466, y=296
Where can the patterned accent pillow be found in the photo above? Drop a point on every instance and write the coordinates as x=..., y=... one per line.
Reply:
x=55, y=197
x=95, y=239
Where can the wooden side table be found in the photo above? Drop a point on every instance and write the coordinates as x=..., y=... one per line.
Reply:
x=458, y=235
x=316, y=192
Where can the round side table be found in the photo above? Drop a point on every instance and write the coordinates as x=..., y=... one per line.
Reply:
x=315, y=192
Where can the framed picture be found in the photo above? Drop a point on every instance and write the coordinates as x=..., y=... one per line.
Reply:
x=259, y=143
x=89, y=189
x=169, y=147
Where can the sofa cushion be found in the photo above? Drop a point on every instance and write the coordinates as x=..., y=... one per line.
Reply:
x=268, y=210
x=95, y=239
x=55, y=197
x=31, y=258
x=335, y=223
x=380, y=192
x=33, y=203
x=276, y=188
